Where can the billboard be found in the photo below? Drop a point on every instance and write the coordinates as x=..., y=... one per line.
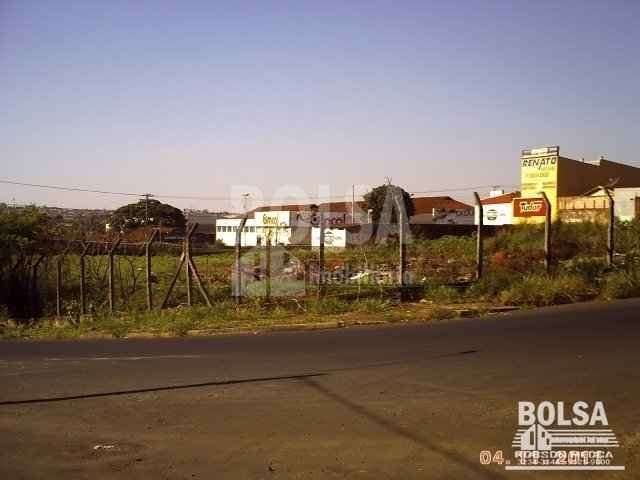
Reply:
x=529, y=207
x=539, y=173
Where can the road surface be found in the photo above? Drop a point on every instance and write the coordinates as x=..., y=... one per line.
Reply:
x=403, y=401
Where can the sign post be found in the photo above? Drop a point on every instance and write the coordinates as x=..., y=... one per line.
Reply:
x=547, y=232
x=479, y=239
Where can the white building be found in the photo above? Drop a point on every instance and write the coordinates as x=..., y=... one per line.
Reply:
x=294, y=224
x=227, y=228
x=259, y=226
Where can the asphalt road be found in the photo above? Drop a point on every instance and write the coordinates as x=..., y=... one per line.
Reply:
x=405, y=401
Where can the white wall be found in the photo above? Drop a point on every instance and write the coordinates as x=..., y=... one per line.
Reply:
x=495, y=214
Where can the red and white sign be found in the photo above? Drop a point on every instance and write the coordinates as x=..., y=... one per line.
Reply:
x=529, y=207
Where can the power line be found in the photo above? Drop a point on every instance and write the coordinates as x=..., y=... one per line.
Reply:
x=68, y=189
x=208, y=198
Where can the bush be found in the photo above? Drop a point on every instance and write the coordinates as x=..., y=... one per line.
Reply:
x=328, y=306
x=591, y=269
x=543, y=290
x=492, y=283
x=441, y=294
x=620, y=284
x=440, y=313
x=372, y=305
x=517, y=238
x=584, y=238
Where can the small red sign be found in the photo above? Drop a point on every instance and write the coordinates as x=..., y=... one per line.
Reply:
x=529, y=207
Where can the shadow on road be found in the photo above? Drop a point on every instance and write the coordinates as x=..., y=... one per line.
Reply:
x=159, y=389
x=403, y=432
x=301, y=376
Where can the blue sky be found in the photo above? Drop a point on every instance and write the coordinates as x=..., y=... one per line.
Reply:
x=195, y=97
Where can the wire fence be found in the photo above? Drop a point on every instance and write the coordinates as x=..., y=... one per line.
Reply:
x=73, y=279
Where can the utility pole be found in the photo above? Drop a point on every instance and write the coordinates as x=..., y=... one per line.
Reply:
x=245, y=202
x=146, y=207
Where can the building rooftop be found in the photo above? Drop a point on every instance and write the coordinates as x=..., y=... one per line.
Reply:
x=504, y=198
x=428, y=204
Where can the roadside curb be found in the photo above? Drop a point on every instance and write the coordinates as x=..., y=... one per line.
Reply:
x=294, y=327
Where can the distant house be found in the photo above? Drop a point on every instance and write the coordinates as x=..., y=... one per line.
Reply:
x=441, y=210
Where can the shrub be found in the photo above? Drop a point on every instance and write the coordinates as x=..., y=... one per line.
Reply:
x=621, y=284
x=328, y=306
x=589, y=268
x=372, y=305
x=439, y=313
x=584, y=238
x=492, y=283
x=543, y=290
x=441, y=294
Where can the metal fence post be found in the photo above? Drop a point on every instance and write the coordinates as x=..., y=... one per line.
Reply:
x=147, y=256
x=59, y=286
x=321, y=258
x=83, y=287
x=611, y=228
x=479, y=239
x=187, y=265
x=402, y=226
x=547, y=232
x=110, y=254
x=267, y=275
x=237, y=284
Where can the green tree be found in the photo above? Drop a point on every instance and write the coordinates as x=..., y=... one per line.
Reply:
x=381, y=202
x=135, y=215
x=23, y=234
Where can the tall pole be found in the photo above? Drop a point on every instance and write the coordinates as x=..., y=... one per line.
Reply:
x=611, y=228
x=547, y=232
x=146, y=207
x=479, y=239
